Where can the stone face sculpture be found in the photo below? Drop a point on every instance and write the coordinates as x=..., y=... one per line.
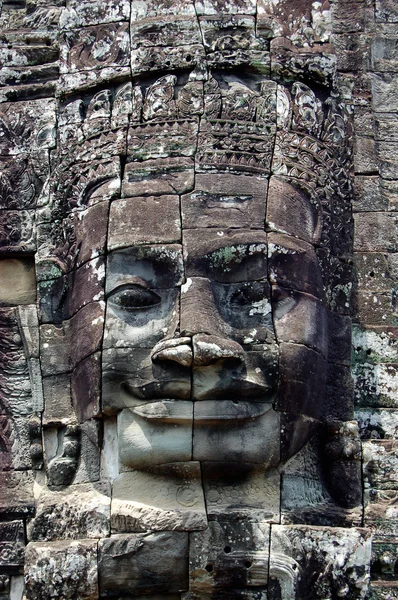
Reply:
x=193, y=270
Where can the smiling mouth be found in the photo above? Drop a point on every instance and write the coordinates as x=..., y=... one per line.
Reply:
x=181, y=389
x=203, y=412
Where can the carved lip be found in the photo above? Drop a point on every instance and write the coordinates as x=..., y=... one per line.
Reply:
x=180, y=389
x=203, y=412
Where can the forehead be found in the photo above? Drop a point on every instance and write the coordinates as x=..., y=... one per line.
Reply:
x=226, y=227
x=150, y=211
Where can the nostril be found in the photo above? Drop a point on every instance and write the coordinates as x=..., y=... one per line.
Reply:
x=176, y=349
x=208, y=349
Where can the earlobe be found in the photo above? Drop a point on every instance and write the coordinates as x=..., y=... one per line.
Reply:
x=341, y=454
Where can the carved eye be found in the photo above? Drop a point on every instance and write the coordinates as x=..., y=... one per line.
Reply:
x=134, y=297
x=249, y=293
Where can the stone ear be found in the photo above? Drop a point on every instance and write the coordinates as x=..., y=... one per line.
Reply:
x=341, y=454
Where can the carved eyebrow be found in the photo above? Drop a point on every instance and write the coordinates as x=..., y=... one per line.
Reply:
x=230, y=256
x=237, y=262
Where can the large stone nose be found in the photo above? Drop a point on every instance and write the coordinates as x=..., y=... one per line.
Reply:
x=204, y=340
x=198, y=310
x=201, y=350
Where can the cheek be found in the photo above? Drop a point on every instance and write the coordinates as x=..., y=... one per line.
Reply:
x=305, y=322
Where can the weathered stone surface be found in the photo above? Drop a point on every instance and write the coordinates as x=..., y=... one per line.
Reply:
x=377, y=423
x=229, y=556
x=319, y=561
x=226, y=255
x=365, y=155
x=383, y=590
x=377, y=308
x=284, y=253
x=156, y=177
x=154, y=140
x=342, y=462
x=169, y=31
x=80, y=511
x=90, y=454
x=251, y=438
x=81, y=14
x=384, y=86
x=58, y=402
x=16, y=442
x=159, y=565
x=167, y=499
x=39, y=126
x=348, y=17
x=372, y=271
x=305, y=323
x=225, y=201
x=12, y=546
x=61, y=298
x=368, y=227
x=375, y=384
x=384, y=560
x=17, y=496
x=339, y=402
x=379, y=464
x=22, y=179
x=148, y=422
x=303, y=23
x=90, y=229
x=59, y=350
x=210, y=7
x=241, y=493
x=86, y=391
x=302, y=376
x=94, y=47
x=17, y=231
x=386, y=11
x=61, y=569
x=131, y=221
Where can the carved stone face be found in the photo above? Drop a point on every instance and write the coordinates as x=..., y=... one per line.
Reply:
x=215, y=338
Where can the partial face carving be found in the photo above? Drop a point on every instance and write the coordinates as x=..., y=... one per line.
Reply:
x=211, y=342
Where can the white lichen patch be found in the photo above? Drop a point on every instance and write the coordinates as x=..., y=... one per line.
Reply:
x=185, y=286
x=383, y=346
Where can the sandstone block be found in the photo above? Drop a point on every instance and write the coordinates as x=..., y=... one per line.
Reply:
x=133, y=221
x=224, y=200
x=386, y=11
x=341, y=555
x=375, y=232
x=79, y=511
x=141, y=564
x=384, y=90
x=255, y=497
x=61, y=569
x=81, y=14
x=12, y=546
x=157, y=177
x=78, y=48
x=229, y=556
x=156, y=500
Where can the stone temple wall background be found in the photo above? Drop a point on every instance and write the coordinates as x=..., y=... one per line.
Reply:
x=49, y=50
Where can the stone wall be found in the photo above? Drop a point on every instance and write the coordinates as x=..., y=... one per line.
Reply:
x=74, y=136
